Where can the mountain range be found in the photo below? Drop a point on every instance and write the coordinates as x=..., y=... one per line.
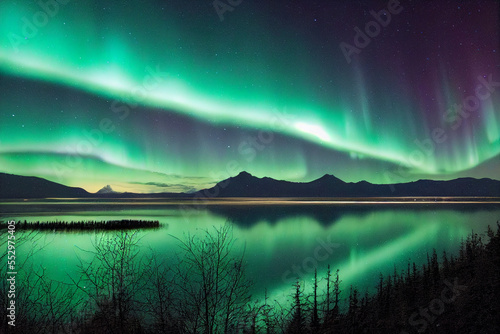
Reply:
x=247, y=185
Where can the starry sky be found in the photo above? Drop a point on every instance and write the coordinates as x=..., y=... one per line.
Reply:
x=155, y=96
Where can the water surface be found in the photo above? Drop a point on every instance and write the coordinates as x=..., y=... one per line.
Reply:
x=282, y=241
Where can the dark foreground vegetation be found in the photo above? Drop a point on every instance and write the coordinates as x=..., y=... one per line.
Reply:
x=447, y=295
x=205, y=290
x=84, y=225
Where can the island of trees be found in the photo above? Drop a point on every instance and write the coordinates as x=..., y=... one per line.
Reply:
x=84, y=225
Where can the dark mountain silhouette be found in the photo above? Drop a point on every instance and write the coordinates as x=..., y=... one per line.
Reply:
x=246, y=185
x=15, y=186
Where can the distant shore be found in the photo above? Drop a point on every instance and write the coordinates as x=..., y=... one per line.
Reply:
x=260, y=200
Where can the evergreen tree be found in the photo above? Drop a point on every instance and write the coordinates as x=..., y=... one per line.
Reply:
x=298, y=322
x=315, y=317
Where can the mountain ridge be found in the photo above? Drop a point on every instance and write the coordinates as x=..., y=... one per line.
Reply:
x=17, y=186
x=246, y=185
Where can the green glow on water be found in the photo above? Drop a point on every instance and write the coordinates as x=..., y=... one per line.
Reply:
x=365, y=244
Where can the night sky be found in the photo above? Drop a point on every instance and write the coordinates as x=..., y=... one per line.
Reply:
x=153, y=96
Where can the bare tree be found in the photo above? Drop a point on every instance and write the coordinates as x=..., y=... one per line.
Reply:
x=211, y=282
x=27, y=283
x=113, y=281
x=161, y=296
x=55, y=304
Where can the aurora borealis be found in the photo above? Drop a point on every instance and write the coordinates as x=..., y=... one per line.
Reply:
x=153, y=96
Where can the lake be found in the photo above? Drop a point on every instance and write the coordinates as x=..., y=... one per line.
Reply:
x=282, y=240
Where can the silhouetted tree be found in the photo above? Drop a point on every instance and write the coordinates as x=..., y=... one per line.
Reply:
x=28, y=288
x=434, y=268
x=327, y=300
x=113, y=281
x=336, y=292
x=211, y=282
x=314, y=315
x=298, y=321
x=446, y=265
x=161, y=296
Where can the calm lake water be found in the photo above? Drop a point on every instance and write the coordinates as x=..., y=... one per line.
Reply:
x=281, y=242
